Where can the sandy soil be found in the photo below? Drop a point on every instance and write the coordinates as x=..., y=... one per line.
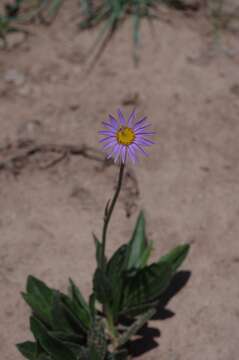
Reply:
x=52, y=198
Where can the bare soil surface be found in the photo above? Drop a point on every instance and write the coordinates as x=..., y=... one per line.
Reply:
x=54, y=184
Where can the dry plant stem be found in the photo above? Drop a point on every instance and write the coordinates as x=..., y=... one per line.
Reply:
x=109, y=212
x=23, y=151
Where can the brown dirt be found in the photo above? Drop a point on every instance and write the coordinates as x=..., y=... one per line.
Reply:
x=52, y=200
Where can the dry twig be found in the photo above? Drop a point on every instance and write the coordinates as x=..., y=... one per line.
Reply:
x=23, y=151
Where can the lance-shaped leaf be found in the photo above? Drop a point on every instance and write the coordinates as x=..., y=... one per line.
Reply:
x=38, y=288
x=79, y=305
x=115, y=270
x=76, y=343
x=63, y=317
x=176, y=256
x=66, y=337
x=102, y=287
x=39, y=297
x=99, y=252
x=77, y=296
x=81, y=352
x=60, y=320
x=138, y=248
x=146, y=285
x=28, y=349
x=116, y=265
x=55, y=348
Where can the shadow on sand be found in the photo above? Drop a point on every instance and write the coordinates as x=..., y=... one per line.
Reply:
x=147, y=335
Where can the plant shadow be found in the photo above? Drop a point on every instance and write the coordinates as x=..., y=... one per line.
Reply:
x=147, y=335
x=146, y=342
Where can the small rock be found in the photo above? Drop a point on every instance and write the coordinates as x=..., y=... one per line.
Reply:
x=74, y=106
x=131, y=99
x=234, y=89
x=30, y=131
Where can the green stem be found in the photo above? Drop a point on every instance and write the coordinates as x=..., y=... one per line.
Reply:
x=112, y=329
x=109, y=212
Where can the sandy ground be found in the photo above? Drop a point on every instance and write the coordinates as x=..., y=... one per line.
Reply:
x=51, y=201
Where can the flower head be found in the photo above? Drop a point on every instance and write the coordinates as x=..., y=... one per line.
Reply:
x=125, y=138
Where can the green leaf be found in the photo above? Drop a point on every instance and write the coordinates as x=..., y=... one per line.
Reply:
x=63, y=319
x=115, y=269
x=54, y=347
x=102, y=287
x=146, y=285
x=39, y=297
x=60, y=321
x=38, y=307
x=28, y=349
x=39, y=289
x=99, y=250
x=81, y=352
x=72, y=314
x=138, y=249
x=146, y=254
x=86, y=6
x=77, y=296
x=116, y=264
x=65, y=337
x=176, y=256
x=43, y=357
x=79, y=306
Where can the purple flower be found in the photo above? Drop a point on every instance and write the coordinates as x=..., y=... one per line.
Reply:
x=125, y=138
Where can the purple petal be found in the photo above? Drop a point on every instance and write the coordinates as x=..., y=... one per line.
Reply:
x=143, y=141
x=143, y=127
x=113, y=122
x=108, y=125
x=106, y=132
x=123, y=154
x=109, y=145
x=132, y=155
x=107, y=138
x=131, y=118
x=112, y=153
x=121, y=118
x=139, y=132
x=139, y=123
x=140, y=148
x=117, y=152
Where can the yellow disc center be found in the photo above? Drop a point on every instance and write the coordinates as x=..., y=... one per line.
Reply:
x=125, y=136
